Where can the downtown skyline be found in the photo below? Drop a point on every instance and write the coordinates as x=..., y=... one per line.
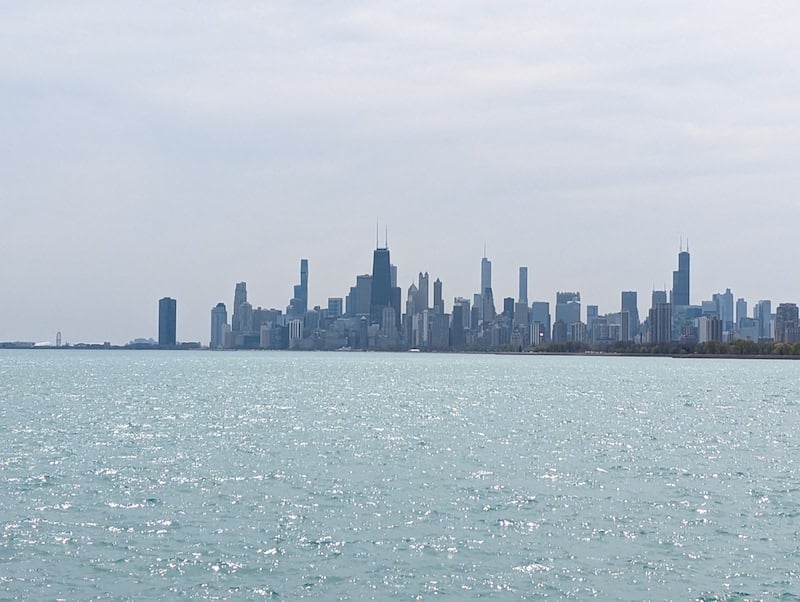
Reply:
x=510, y=287
x=372, y=316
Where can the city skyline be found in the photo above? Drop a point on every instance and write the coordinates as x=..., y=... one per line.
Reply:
x=175, y=150
x=371, y=317
x=299, y=298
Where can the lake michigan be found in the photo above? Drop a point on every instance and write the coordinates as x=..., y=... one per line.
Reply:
x=278, y=475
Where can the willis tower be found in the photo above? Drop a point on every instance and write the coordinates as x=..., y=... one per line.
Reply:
x=680, y=280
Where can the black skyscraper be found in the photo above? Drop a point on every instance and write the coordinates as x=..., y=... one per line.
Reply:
x=680, y=280
x=381, y=294
x=167, y=310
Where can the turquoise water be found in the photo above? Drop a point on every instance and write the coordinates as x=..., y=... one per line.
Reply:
x=147, y=475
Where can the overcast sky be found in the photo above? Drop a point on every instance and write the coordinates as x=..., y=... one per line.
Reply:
x=152, y=149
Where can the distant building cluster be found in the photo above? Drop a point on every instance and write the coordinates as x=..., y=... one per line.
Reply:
x=373, y=316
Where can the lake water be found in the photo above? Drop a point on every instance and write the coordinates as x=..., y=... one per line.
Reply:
x=148, y=475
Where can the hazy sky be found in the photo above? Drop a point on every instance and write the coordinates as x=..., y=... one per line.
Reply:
x=152, y=149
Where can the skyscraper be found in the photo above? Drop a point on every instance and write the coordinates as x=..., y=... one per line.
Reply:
x=631, y=305
x=362, y=295
x=592, y=313
x=438, y=300
x=381, y=291
x=423, y=293
x=724, y=303
x=523, y=285
x=741, y=311
x=239, y=299
x=167, y=313
x=661, y=323
x=457, y=325
x=540, y=314
x=334, y=307
x=219, y=320
x=411, y=300
x=508, y=307
x=298, y=306
x=680, y=280
x=786, y=323
x=487, y=297
x=763, y=313
x=568, y=308
x=486, y=274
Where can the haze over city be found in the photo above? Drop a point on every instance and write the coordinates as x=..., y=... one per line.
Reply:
x=174, y=150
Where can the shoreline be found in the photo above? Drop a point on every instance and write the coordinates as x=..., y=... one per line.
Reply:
x=727, y=356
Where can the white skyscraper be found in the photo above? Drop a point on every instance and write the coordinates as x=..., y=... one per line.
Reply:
x=219, y=320
x=486, y=274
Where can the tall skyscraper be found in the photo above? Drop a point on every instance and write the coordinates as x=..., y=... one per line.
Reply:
x=411, y=300
x=167, y=313
x=741, y=311
x=630, y=304
x=523, y=285
x=239, y=299
x=540, y=317
x=724, y=303
x=423, y=293
x=298, y=306
x=487, y=311
x=219, y=320
x=486, y=274
x=381, y=292
x=592, y=313
x=661, y=323
x=438, y=300
x=680, y=280
x=457, y=325
x=362, y=295
x=762, y=312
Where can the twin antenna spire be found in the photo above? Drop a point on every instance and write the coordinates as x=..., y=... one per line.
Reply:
x=385, y=236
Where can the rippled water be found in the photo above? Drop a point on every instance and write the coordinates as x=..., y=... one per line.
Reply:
x=354, y=476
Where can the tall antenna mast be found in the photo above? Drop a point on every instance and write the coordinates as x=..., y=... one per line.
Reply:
x=377, y=227
x=386, y=237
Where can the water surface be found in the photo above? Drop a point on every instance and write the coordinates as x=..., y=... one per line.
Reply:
x=365, y=475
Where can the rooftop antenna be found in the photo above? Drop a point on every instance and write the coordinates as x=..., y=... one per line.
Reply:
x=386, y=237
x=484, y=249
x=377, y=226
x=680, y=250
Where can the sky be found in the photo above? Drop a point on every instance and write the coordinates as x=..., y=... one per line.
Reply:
x=152, y=149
